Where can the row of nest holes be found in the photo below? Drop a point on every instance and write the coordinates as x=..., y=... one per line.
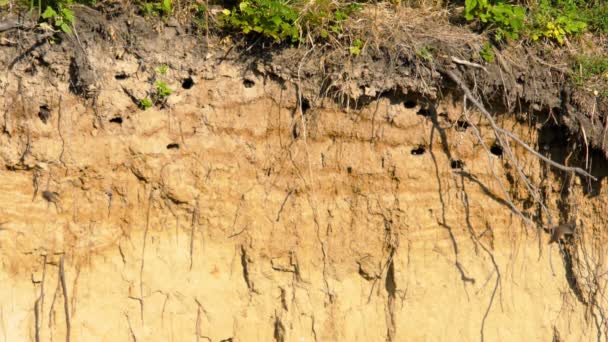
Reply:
x=495, y=150
x=187, y=82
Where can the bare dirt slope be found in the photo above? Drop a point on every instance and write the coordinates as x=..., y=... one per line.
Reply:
x=229, y=214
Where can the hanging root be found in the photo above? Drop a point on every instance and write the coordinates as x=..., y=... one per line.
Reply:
x=500, y=132
x=503, y=136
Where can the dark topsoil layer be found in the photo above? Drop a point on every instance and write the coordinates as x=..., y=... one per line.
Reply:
x=406, y=53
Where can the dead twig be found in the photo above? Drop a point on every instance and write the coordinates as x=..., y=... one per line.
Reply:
x=471, y=64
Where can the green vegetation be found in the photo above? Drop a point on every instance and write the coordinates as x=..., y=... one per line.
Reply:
x=145, y=103
x=506, y=19
x=425, y=54
x=551, y=20
x=355, y=48
x=162, y=69
x=289, y=20
x=162, y=8
x=590, y=67
x=272, y=18
x=486, y=53
x=162, y=90
x=302, y=21
x=61, y=18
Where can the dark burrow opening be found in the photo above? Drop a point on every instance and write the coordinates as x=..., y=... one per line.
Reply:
x=173, y=146
x=456, y=164
x=248, y=83
x=426, y=112
x=187, y=83
x=121, y=76
x=462, y=125
x=45, y=113
x=116, y=120
x=305, y=105
x=420, y=150
x=410, y=104
x=496, y=150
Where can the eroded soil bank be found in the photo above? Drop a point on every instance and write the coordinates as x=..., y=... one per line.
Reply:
x=231, y=213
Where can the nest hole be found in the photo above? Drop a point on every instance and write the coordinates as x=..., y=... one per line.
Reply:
x=173, y=146
x=187, y=83
x=44, y=114
x=409, y=104
x=305, y=105
x=420, y=150
x=248, y=83
x=349, y=169
x=121, y=76
x=116, y=120
x=496, y=150
x=462, y=125
x=424, y=112
x=456, y=164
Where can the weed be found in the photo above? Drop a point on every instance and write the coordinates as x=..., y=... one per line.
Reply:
x=506, y=19
x=162, y=69
x=145, y=103
x=554, y=22
x=425, y=54
x=339, y=16
x=162, y=8
x=486, y=53
x=162, y=90
x=355, y=48
x=270, y=18
x=61, y=18
x=588, y=67
x=289, y=20
x=200, y=15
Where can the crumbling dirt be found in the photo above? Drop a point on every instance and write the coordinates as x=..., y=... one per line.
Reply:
x=253, y=206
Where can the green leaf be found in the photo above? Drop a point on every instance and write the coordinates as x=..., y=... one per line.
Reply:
x=65, y=28
x=49, y=13
x=67, y=15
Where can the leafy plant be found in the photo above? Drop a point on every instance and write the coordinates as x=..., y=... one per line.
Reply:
x=425, y=54
x=555, y=19
x=507, y=19
x=270, y=18
x=340, y=15
x=486, y=53
x=162, y=89
x=61, y=18
x=162, y=69
x=587, y=67
x=160, y=7
x=355, y=48
x=200, y=15
x=145, y=103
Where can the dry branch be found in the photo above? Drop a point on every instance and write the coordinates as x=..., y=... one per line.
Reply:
x=471, y=64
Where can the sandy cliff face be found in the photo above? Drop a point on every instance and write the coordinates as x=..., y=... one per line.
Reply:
x=231, y=215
